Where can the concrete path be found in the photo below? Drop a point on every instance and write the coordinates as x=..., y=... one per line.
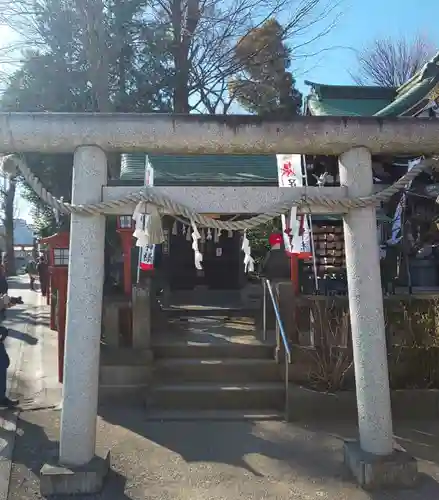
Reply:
x=218, y=460
x=199, y=460
x=32, y=376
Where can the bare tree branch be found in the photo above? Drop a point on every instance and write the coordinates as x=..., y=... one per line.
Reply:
x=209, y=52
x=391, y=62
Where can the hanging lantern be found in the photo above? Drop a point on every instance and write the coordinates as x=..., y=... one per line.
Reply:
x=124, y=222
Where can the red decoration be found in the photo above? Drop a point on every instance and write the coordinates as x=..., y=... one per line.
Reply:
x=275, y=239
x=58, y=277
x=288, y=170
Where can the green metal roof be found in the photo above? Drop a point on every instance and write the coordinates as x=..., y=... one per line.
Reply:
x=207, y=170
x=407, y=100
x=345, y=107
x=413, y=96
x=347, y=100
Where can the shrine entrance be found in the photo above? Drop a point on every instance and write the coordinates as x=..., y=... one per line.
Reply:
x=222, y=266
x=91, y=136
x=222, y=263
x=182, y=273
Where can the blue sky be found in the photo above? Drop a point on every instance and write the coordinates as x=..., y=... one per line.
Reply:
x=361, y=22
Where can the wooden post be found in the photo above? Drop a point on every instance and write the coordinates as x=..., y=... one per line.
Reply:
x=49, y=289
x=62, y=303
x=294, y=259
x=126, y=237
x=53, y=300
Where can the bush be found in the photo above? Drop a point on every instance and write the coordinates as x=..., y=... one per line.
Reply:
x=412, y=333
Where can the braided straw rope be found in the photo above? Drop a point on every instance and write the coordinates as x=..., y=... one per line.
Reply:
x=12, y=164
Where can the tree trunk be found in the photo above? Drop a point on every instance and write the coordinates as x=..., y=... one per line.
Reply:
x=9, y=228
x=184, y=25
x=181, y=90
x=95, y=40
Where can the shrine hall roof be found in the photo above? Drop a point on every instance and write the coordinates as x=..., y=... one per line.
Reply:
x=407, y=100
x=207, y=170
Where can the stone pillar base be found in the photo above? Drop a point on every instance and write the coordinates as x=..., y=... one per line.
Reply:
x=87, y=479
x=373, y=472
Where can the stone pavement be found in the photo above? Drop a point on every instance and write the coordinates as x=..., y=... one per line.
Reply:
x=201, y=460
x=32, y=375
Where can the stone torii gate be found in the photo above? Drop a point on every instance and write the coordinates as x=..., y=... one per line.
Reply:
x=91, y=136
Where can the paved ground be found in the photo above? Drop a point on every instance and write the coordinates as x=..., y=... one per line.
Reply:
x=31, y=346
x=192, y=460
x=219, y=330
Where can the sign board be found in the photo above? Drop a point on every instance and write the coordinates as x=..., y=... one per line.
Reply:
x=296, y=228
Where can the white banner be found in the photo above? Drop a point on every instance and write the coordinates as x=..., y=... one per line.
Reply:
x=295, y=229
x=397, y=218
x=146, y=253
x=147, y=257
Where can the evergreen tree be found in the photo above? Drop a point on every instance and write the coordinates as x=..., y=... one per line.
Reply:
x=59, y=77
x=265, y=86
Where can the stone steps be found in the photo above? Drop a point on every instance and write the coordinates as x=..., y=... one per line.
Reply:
x=217, y=396
x=227, y=370
x=193, y=350
x=185, y=312
x=119, y=375
x=215, y=381
x=213, y=415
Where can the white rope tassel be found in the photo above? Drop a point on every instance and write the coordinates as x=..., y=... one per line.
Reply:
x=249, y=263
x=217, y=235
x=198, y=256
x=149, y=229
x=175, y=228
x=138, y=218
x=209, y=234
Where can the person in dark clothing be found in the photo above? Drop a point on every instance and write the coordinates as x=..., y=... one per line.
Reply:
x=43, y=274
x=276, y=265
x=5, y=402
x=4, y=287
x=31, y=270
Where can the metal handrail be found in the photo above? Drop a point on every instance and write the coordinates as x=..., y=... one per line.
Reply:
x=279, y=323
x=280, y=335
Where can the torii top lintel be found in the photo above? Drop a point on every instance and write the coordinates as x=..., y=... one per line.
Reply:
x=195, y=134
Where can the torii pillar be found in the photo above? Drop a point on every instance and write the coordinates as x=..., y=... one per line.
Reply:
x=83, y=325
x=373, y=459
x=79, y=469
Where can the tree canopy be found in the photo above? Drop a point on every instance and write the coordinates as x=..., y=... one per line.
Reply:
x=264, y=85
x=150, y=56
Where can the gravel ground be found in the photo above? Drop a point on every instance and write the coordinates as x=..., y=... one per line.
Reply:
x=217, y=460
